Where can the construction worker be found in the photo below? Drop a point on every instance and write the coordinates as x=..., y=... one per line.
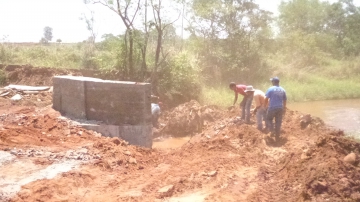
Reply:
x=276, y=107
x=259, y=109
x=155, y=111
x=245, y=104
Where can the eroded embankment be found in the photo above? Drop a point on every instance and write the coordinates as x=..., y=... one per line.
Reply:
x=225, y=161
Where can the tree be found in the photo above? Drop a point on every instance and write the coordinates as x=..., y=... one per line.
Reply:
x=90, y=26
x=58, y=41
x=231, y=35
x=124, y=8
x=48, y=33
x=343, y=22
x=160, y=26
x=314, y=28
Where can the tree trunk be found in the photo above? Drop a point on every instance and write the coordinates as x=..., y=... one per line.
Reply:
x=143, y=54
x=125, y=63
x=131, y=51
x=154, y=79
x=144, y=48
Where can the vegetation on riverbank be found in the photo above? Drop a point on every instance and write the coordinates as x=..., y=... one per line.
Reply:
x=310, y=89
x=315, y=50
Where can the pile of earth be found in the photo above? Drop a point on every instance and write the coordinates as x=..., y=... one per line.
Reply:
x=42, y=76
x=311, y=162
x=187, y=119
x=226, y=161
x=26, y=131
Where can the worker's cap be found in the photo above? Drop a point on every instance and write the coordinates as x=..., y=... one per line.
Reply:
x=249, y=89
x=275, y=79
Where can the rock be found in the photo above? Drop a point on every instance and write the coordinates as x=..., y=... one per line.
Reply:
x=4, y=93
x=212, y=173
x=132, y=160
x=39, y=100
x=127, y=153
x=350, y=158
x=13, y=152
x=16, y=97
x=304, y=156
x=116, y=141
x=319, y=187
x=306, y=118
x=166, y=191
x=345, y=182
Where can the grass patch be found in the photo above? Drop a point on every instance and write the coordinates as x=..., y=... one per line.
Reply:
x=315, y=87
x=2, y=77
x=220, y=96
x=308, y=88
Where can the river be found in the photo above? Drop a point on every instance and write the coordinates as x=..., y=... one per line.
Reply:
x=341, y=114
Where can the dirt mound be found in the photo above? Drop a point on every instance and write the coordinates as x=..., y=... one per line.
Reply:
x=227, y=161
x=35, y=76
x=42, y=76
x=46, y=128
x=188, y=118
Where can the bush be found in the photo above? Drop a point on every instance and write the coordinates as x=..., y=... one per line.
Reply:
x=3, y=78
x=180, y=79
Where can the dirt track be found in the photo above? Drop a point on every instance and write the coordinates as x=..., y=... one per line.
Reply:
x=226, y=161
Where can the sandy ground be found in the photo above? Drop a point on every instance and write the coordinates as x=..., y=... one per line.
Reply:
x=45, y=157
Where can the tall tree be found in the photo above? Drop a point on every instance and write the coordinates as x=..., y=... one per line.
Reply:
x=160, y=25
x=127, y=10
x=229, y=30
x=48, y=33
x=90, y=23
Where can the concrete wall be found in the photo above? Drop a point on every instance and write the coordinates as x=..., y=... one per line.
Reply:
x=125, y=106
x=135, y=135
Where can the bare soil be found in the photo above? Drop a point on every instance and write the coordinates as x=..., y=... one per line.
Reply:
x=224, y=160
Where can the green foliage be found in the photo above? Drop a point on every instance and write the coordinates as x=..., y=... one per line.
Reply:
x=3, y=78
x=314, y=87
x=181, y=79
x=221, y=96
x=232, y=37
x=5, y=54
x=315, y=50
x=52, y=55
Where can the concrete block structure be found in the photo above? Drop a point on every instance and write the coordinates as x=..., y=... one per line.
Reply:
x=123, y=108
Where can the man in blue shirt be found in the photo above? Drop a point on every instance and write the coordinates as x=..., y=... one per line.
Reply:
x=276, y=106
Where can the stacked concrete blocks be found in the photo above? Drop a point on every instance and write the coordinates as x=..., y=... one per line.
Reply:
x=124, y=108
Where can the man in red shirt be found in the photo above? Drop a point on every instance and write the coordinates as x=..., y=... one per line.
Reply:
x=245, y=104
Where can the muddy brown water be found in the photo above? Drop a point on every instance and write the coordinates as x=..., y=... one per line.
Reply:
x=341, y=114
x=170, y=142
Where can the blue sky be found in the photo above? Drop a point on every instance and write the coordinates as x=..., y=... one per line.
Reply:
x=24, y=20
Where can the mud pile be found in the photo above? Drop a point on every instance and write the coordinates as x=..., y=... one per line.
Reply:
x=224, y=161
x=26, y=131
x=42, y=76
x=311, y=162
x=188, y=118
